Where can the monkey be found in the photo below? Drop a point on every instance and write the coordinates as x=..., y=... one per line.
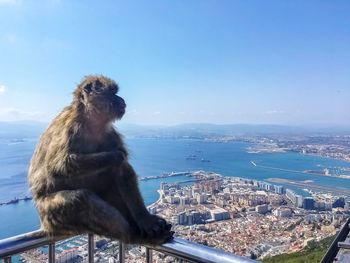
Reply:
x=80, y=176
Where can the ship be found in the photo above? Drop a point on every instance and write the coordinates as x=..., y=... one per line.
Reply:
x=191, y=157
x=27, y=198
x=13, y=201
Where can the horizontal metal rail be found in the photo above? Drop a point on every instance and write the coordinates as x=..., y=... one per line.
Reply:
x=21, y=243
x=179, y=248
x=193, y=252
x=337, y=243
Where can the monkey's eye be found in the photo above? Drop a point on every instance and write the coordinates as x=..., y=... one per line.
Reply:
x=91, y=90
x=88, y=88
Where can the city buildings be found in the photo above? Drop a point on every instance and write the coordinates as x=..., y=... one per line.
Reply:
x=249, y=217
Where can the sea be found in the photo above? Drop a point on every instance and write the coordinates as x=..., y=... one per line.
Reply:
x=151, y=157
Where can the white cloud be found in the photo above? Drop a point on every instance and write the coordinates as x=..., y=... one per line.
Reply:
x=156, y=113
x=10, y=2
x=2, y=89
x=12, y=114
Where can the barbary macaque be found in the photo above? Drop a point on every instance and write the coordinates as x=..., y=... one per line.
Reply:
x=80, y=176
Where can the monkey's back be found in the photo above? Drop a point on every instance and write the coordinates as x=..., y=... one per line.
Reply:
x=50, y=170
x=50, y=156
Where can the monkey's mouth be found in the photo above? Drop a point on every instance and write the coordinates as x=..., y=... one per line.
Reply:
x=121, y=111
x=118, y=110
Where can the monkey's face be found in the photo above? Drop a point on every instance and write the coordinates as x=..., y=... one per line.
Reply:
x=101, y=100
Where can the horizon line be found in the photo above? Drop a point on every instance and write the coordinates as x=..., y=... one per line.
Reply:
x=122, y=123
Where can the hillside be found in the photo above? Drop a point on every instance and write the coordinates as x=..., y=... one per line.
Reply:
x=313, y=253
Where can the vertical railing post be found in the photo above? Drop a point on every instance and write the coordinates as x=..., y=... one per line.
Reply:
x=121, y=252
x=91, y=248
x=52, y=254
x=7, y=259
x=148, y=255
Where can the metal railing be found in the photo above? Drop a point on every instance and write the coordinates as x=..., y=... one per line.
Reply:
x=338, y=243
x=181, y=249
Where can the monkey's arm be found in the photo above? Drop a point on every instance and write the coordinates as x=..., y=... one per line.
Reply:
x=95, y=161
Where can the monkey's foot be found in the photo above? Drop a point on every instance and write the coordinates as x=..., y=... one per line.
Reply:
x=154, y=227
x=159, y=240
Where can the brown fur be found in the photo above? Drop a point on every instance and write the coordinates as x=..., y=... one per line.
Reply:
x=79, y=174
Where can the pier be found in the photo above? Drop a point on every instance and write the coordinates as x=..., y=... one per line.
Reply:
x=165, y=175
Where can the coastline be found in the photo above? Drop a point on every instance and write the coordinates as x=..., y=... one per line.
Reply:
x=261, y=148
x=156, y=202
x=309, y=185
x=309, y=172
x=154, y=157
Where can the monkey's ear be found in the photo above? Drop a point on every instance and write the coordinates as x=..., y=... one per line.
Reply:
x=87, y=89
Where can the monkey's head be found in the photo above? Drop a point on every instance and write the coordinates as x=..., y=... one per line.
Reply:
x=97, y=95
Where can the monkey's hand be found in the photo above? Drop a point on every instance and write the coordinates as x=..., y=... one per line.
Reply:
x=95, y=161
x=154, y=230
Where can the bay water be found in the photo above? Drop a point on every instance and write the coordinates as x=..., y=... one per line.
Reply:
x=151, y=157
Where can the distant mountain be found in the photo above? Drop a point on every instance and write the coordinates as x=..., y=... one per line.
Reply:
x=26, y=129
x=204, y=129
x=238, y=129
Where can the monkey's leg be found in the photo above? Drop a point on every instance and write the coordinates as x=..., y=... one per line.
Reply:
x=81, y=211
x=151, y=227
x=114, y=198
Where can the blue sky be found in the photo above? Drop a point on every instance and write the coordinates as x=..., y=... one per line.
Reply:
x=280, y=62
